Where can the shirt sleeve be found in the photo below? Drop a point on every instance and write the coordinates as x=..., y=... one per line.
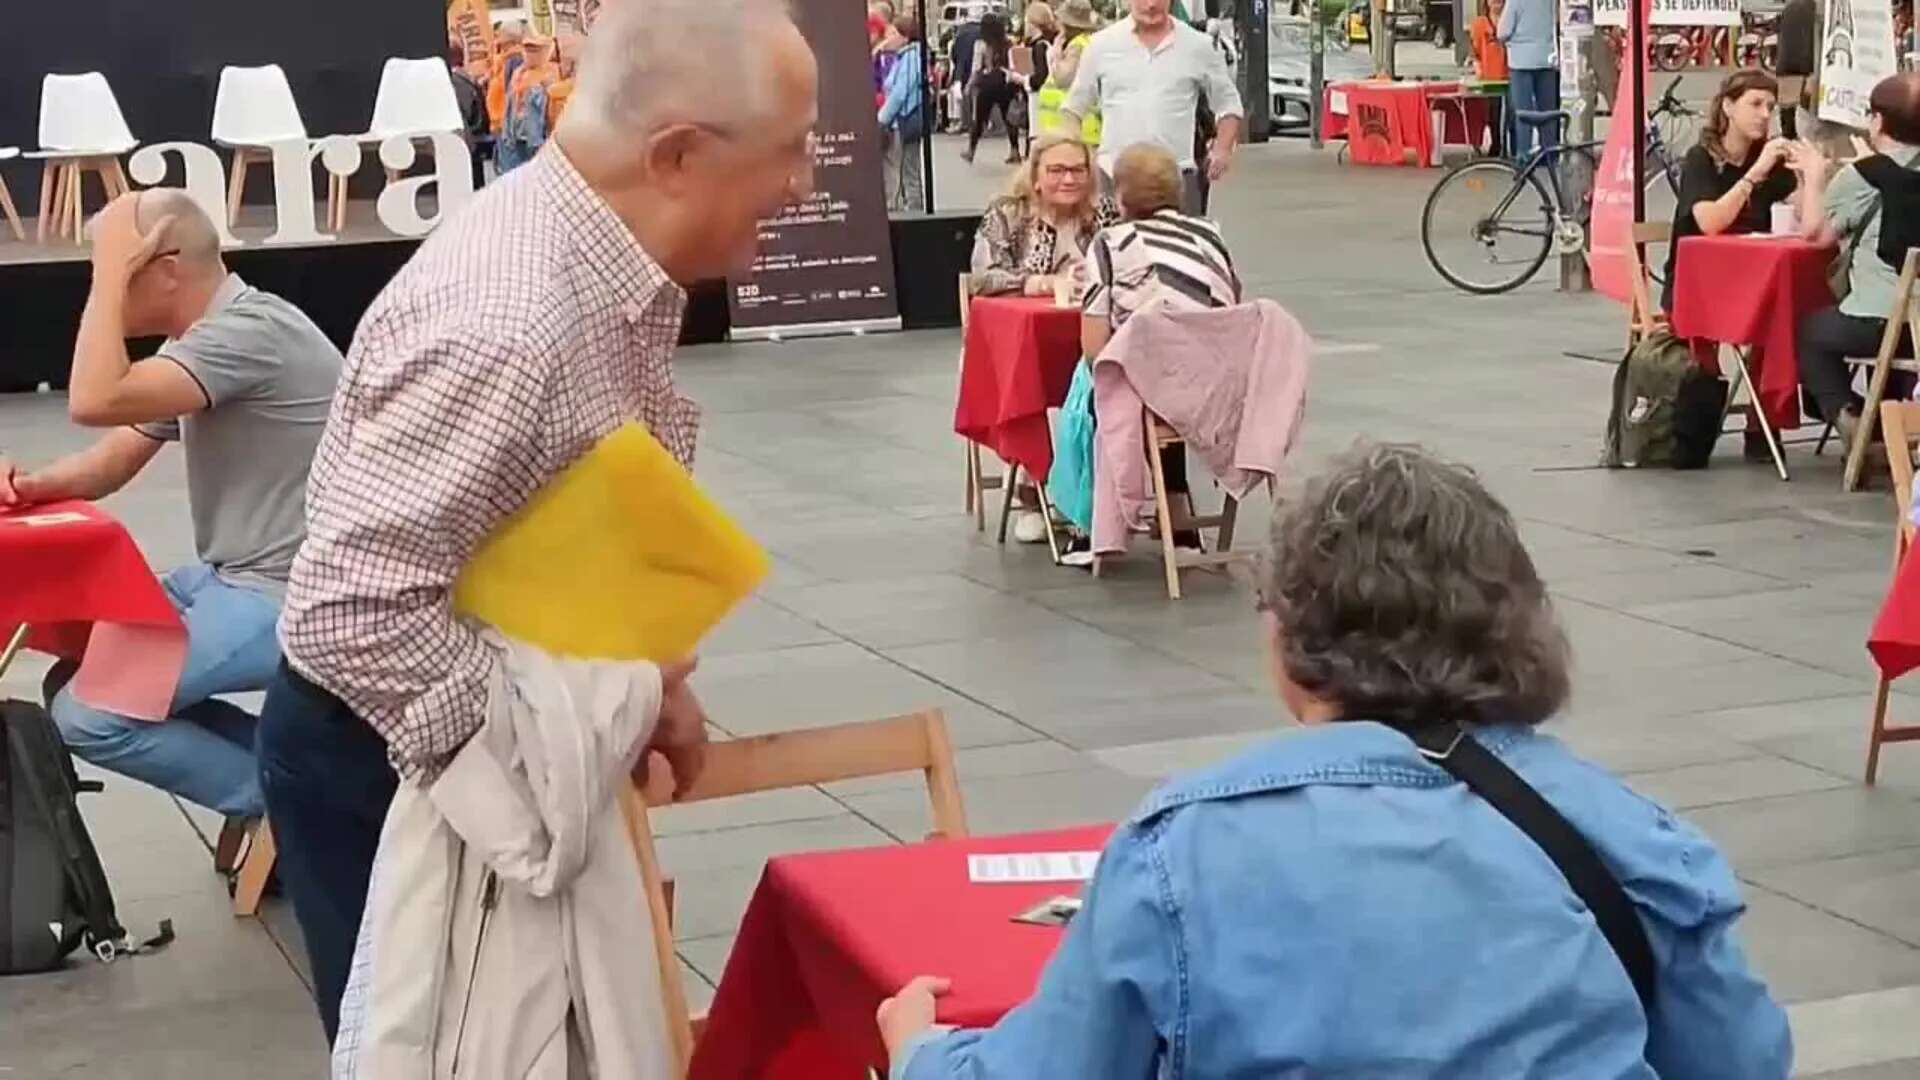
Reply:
x=1099, y=299
x=1108, y=1005
x=1699, y=181
x=439, y=440
x=1509, y=18
x=160, y=430
x=1223, y=97
x=996, y=255
x=1711, y=1016
x=1848, y=201
x=227, y=354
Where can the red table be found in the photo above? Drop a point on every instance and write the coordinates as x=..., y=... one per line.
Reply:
x=1895, y=638
x=74, y=576
x=1385, y=121
x=1018, y=363
x=1753, y=290
x=828, y=936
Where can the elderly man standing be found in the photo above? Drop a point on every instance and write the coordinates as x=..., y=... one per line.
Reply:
x=526, y=329
x=1145, y=76
x=242, y=382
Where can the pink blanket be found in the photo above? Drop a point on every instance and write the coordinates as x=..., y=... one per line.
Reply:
x=1232, y=381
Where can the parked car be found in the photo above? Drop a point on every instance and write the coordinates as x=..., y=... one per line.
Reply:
x=1289, y=66
x=1413, y=20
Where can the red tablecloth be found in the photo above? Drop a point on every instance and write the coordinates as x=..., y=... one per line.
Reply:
x=1384, y=122
x=1895, y=638
x=828, y=936
x=1018, y=362
x=1753, y=290
x=77, y=579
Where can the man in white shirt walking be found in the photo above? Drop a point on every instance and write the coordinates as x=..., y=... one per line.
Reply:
x=1145, y=75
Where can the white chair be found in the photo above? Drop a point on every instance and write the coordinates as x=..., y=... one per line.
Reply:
x=253, y=109
x=415, y=99
x=81, y=130
x=8, y=153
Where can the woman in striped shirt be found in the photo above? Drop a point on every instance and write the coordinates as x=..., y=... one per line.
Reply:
x=1155, y=255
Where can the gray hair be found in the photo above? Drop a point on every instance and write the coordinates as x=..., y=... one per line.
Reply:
x=191, y=233
x=1404, y=595
x=650, y=62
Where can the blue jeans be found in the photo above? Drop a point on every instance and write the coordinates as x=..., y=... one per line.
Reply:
x=204, y=750
x=1534, y=90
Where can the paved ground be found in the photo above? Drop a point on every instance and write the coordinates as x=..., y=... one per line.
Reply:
x=1718, y=618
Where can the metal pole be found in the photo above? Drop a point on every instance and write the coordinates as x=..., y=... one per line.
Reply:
x=1316, y=71
x=926, y=103
x=1250, y=17
x=1575, y=275
x=1637, y=110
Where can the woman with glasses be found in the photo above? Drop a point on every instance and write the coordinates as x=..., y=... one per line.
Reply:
x=1347, y=900
x=1041, y=228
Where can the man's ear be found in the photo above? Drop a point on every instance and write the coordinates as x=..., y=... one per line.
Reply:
x=669, y=154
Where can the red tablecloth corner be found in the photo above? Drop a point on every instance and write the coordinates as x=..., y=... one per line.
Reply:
x=828, y=936
x=1017, y=363
x=1753, y=290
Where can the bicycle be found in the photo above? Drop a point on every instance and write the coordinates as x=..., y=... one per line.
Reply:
x=1489, y=225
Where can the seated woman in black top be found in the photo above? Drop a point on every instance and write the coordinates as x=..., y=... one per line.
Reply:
x=1730, y=181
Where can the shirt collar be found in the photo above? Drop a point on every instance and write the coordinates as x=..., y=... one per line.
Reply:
x=605, y=245
x=229, y=291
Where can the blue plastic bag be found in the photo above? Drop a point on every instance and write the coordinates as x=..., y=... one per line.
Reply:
x=1070, y=482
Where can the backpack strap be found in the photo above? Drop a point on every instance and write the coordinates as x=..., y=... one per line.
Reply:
x=1450, y=747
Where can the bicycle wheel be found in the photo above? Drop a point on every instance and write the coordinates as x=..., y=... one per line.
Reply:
x=1484, y=229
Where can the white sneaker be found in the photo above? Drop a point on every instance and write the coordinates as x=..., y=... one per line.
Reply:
x=1081, y=559
x=1030, y=527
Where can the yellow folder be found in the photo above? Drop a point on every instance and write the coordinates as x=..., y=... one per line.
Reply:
x=620, y=557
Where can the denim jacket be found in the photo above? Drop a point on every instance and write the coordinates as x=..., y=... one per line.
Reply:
x=1330, y=904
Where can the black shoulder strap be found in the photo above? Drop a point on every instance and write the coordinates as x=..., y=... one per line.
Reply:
x=1451, y=748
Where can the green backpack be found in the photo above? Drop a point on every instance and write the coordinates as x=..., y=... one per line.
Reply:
x=1666, y=411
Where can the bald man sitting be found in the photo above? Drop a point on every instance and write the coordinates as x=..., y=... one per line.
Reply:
x=243, y=383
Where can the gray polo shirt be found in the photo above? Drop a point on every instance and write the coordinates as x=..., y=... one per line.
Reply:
x=1151, y=95
x=1849, y=201
x=268, y=375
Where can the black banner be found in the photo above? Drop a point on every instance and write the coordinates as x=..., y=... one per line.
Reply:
x=825, y=265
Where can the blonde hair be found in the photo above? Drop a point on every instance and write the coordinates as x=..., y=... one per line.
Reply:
x=1146, y=180
x=1025, y=188
x=1040, y=17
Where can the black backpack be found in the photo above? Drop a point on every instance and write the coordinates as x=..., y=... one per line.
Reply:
x=1665, y=410
x=54, y=896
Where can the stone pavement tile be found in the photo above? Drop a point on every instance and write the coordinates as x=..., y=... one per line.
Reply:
x=1787, y=719
x=1822, y=824
x=277, y=919
x=1713, y=784
x=214, y=962
x=712, y=901
x=1805, y=954
x=1605, y=640
x=1676, y=579
x=891, y=612
x=1856, y=1031
x=1788, y=600
x=1843, y=752
x=1160, y=760
x=1874, y=890
x=818, y=685
x=1904, y=1069
x=267, y=1033
x=1093, y=725
x=1758, y=680
x=1634, y=744
x=1140, y=614
x=1601, y=557
x=1017, y=670
x=1013, y=804
x=758, y=625
x=706, y=957
x=1036, y=758
x=1835, y=642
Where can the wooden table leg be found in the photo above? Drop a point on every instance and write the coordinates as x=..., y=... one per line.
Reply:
x=236, y=185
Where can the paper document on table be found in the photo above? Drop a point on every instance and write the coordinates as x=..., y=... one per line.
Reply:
x=1030, y=867
x=1337, y=102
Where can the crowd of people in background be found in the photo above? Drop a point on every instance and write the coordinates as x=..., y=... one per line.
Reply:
x=512, y=101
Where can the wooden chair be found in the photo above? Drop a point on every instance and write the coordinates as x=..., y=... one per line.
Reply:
x=251, y=872
x=1901, y=421
x=978, y=482
x=1172, y=517
x=1902, y=316
x=789, y=759
x=1644, y=315
x=6, y=197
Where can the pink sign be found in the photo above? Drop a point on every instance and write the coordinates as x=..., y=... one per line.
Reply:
x=1611, y=226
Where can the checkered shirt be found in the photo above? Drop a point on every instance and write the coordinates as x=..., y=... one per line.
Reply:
x=523, y=331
